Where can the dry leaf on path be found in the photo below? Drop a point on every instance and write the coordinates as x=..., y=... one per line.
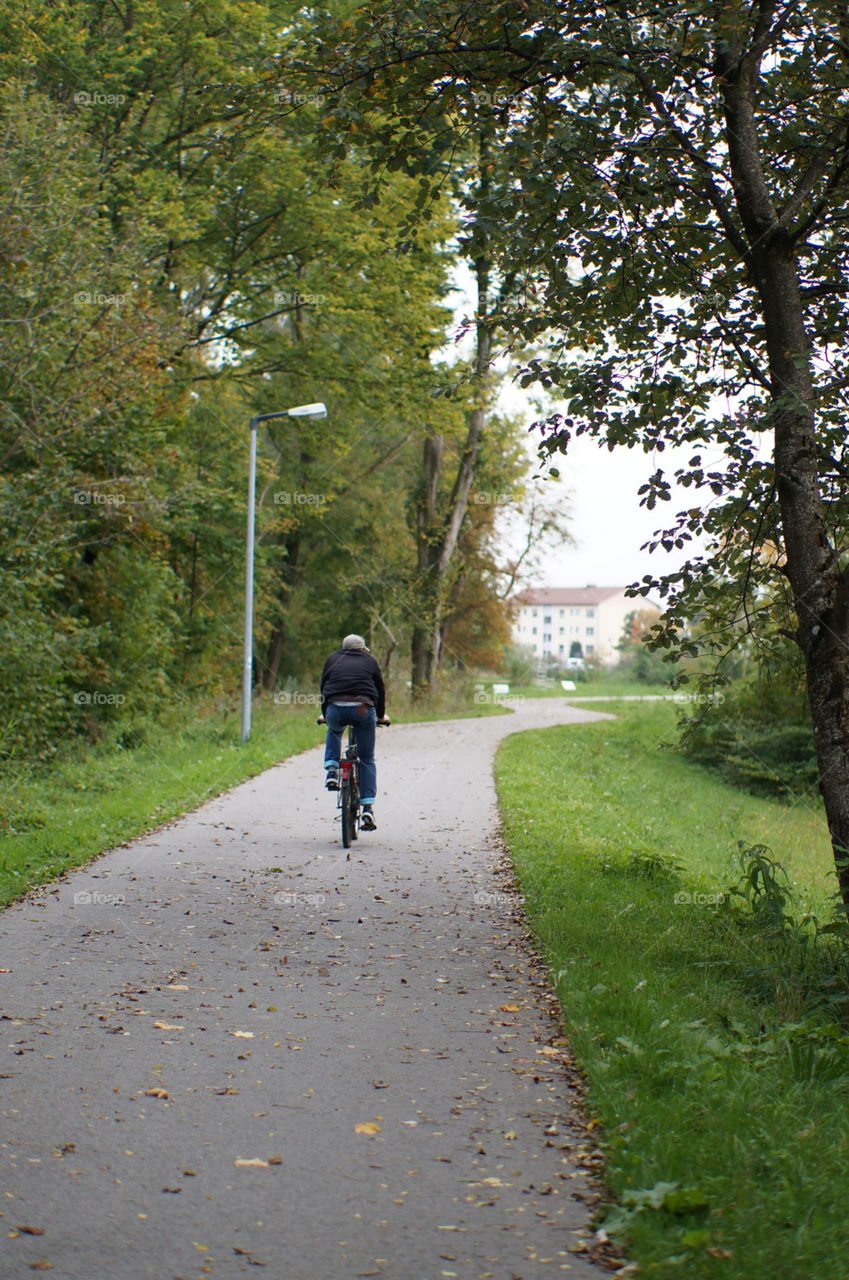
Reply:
x=367, y=1126
x=246, y=1254
x=256, y=1163
x=241, y=1035
x=31, y=1231
x=168, y=1026
x=156, y=1093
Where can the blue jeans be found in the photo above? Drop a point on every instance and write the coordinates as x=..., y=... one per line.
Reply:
x=364, y=720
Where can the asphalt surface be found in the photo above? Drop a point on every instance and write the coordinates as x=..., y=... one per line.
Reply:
x=226, y=1046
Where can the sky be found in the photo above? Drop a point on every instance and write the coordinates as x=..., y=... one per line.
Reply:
x=604, y=516
x=599, y=489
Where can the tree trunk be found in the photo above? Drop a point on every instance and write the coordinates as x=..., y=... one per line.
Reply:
x=273, y=657
x=437, y=538
x=820, y=589
x=427, y=545
x=267, y=666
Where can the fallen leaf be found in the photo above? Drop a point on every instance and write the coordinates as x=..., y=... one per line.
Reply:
x=156, y=1093
x=168, y=1026
x=242, y=1035
x=31, y=1231
x=510, y=1008
x=256, y=1163
x=275, y=1159
x=41, y=1264
x=176, y=986
x=367, y=1126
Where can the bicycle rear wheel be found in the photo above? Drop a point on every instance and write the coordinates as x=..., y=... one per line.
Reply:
x=355, y=802
x=346, y=804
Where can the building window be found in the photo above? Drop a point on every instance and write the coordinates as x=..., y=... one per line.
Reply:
x=590, y=631
x=546, y=639
x=562, y=613
x=589, y=648
x=533, y=631
x=561, y=648
x=533, y=613
x=590, y=613
x=547, y=620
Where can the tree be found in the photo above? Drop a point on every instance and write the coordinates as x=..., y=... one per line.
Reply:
x=81, y=385
x=465, y=155
x=220, y=274
x=680, y=199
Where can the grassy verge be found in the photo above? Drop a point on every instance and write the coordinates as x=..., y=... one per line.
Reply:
x=712, y=1036
x=99, y=796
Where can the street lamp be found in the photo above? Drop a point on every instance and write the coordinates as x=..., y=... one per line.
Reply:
x=300, y=411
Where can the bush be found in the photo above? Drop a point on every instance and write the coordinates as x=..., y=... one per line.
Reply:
x=757, y=736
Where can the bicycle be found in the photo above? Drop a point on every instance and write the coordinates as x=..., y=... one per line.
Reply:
x=348, y=795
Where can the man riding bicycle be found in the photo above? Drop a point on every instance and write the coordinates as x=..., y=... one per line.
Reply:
x=353, y=693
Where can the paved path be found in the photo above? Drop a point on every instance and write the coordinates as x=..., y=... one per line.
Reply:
x=225, y=1046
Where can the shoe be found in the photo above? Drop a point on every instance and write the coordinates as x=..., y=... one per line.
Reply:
x=367, y=822
x=332, y=779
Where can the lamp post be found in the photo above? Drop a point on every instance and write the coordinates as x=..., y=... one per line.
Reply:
x=300, y=411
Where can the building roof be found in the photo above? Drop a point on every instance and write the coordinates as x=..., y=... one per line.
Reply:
x=568, y=595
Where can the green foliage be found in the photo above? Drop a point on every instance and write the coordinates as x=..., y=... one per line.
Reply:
x=757, y=734
x=176, y=257
x=519, y=667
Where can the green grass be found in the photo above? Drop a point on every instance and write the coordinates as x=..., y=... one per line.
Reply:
x=715, y=1064
x=99, y=796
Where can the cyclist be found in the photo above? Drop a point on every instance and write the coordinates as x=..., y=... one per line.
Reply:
x=352, y=692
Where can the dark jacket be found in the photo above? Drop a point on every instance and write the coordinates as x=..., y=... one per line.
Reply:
x=352, y=675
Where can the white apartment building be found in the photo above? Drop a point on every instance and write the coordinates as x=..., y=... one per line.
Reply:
x=550, y=619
